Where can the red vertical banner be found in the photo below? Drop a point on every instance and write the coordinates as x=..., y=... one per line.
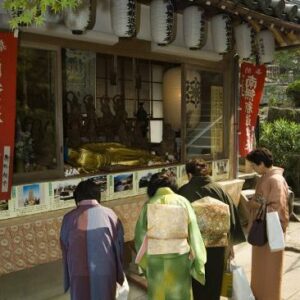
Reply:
x=252, y=80
x=8, y=74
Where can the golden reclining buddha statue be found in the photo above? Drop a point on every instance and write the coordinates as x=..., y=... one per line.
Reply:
x=94, y=156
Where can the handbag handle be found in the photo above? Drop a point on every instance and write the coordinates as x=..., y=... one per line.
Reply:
x=261, y=214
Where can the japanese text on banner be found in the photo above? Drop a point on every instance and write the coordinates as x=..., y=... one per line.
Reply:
x=8, y=71
x=252, y=81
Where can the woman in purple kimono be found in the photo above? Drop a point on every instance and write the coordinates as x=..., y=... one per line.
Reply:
x=92, y=247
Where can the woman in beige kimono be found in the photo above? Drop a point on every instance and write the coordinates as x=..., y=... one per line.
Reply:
x=266, y=272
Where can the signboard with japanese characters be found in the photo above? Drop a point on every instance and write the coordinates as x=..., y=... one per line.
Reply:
x=8, y=71
x=252, y=81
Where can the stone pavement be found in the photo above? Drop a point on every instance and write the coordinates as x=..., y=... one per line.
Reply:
x=291, y=274
x=291, y=285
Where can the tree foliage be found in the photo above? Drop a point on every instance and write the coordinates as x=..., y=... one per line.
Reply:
x=293, y=91
x=288, y=60
x=32, y=12
x=282, y=137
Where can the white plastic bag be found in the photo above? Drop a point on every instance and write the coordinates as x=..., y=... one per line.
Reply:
x=122, y=290
x=241, y=289
x=274, y=232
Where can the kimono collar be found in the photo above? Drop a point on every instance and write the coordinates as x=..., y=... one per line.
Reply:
x=163, y=191
x=273, y=171
x=88, y=202
x=201, y=180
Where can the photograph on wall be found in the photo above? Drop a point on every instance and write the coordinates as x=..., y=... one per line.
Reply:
x=30, y=195
x=182, y=176
x=4, y=209
x=3, y=205
x=122, y=185
x=62, y=193
x=143, y=178
x=172, y=170
x=32, y=198
x=7, y=206
x=101, y=181
x=220, y=169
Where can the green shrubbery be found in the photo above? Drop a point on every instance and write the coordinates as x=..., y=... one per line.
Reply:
x=293, y=92
x=282, y=137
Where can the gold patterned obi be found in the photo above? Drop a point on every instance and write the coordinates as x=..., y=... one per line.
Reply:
x=213, y=218
x=167, y=230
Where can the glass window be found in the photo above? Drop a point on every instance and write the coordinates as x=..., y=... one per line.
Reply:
x=36, y=142
x=204, y=113
x=80, y=120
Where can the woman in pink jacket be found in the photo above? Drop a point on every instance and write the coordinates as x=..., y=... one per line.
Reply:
x=266, y=272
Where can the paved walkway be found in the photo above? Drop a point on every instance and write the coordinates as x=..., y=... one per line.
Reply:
x=291, y=285
x=291, y=275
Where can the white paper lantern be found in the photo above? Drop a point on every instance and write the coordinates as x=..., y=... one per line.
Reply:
x=266, y=46
x=123, y=17
x=278, y=7
x=162, y=19
x=221, y=27
x=172, y=97
x=194, y=27
x=291, y=11
x=244, y=40
x=80, y=18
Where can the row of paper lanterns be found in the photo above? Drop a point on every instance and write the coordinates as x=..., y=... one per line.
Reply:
x=163, y=23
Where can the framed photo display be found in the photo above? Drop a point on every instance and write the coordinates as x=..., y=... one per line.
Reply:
x=122, y=185
x=61, y=193
x=32, y=198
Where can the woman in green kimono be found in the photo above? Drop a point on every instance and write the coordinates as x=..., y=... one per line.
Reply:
x=169, y=243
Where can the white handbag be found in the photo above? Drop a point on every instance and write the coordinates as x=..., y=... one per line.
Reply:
x=122, y=290
x=241, y=289
x=274, y=232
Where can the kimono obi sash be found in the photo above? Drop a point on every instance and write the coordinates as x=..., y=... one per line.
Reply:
x=167, y=230
x=213, y=218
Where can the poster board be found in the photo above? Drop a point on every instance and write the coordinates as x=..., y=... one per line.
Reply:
x=7, y=206
x=220, y=169
x=31, y=198
x=172, y=169
x=182, y=176
x=102, y=182
x=143, y=179
x=61, y=193
x=122, y=185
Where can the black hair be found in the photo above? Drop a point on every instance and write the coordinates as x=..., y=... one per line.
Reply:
x=159, y=180
x=86, y=190
x=260, y=155
x=196, y=167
